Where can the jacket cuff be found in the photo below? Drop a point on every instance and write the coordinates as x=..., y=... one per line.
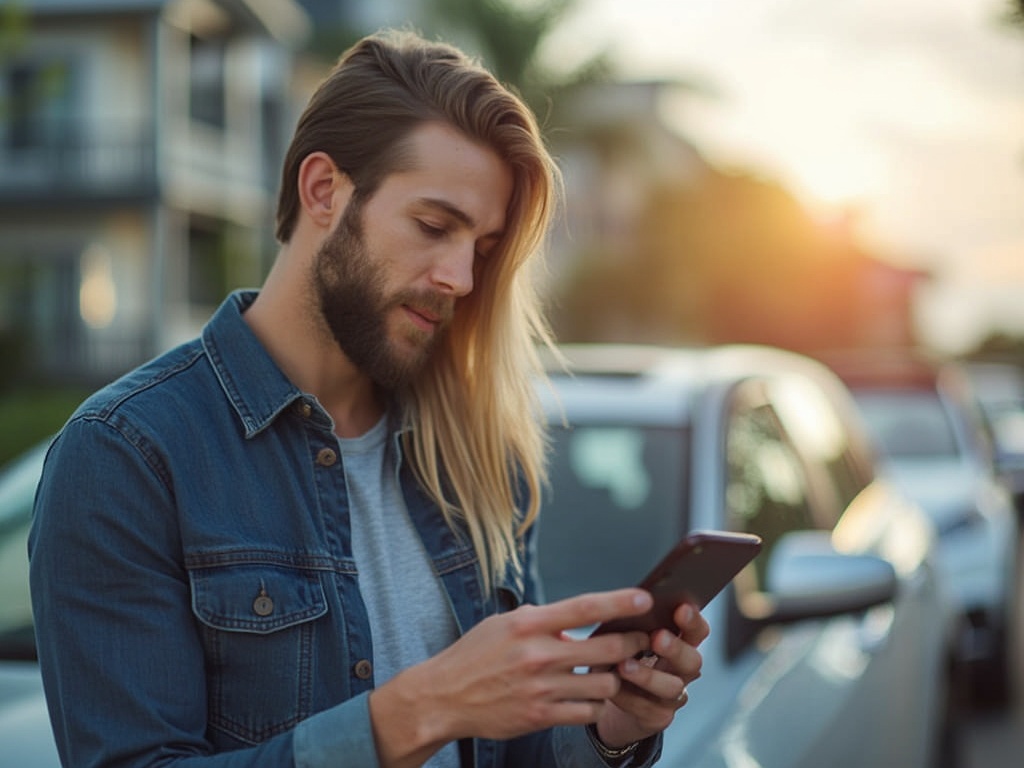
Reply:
x=341, y=730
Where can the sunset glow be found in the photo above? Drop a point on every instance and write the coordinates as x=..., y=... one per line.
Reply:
x=908, y=111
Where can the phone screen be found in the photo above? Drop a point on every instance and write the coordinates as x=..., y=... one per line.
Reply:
x=698, y=568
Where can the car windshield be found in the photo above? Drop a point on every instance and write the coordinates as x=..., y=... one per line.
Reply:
x=1007, y=422
x=621, y=491
x=909, y=424
x=17, y=489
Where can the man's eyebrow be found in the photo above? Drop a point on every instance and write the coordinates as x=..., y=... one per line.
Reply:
x=456, y=213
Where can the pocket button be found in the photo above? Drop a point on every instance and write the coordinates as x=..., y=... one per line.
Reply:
x=363, y=669
x=263, y=606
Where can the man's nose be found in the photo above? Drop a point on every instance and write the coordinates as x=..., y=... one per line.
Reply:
x=453, y=271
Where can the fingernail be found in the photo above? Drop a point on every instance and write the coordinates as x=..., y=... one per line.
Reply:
x=642, y=600
x=629, y=666
x=687, y=614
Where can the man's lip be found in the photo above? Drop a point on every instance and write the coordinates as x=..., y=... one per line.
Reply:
x=425, y=317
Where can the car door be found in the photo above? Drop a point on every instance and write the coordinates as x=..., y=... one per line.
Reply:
x=845, y=691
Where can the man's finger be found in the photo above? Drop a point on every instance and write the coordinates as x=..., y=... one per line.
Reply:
x=693, y=627
x=584, y=610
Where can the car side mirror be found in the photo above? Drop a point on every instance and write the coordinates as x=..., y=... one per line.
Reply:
x=806, y=578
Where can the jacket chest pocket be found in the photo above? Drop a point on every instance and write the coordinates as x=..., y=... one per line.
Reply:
x=258, y=623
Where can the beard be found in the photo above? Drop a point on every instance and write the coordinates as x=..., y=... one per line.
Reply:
x=350, y=287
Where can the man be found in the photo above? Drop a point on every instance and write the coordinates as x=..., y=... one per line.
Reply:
x=304, y=538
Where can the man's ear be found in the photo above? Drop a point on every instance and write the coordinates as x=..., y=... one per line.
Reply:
x=324, y=190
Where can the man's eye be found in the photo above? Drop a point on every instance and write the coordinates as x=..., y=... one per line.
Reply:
x=430, y=230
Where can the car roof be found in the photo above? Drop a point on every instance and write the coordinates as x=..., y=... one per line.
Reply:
x=906, y=371
x=901, y=369
x=656, y=385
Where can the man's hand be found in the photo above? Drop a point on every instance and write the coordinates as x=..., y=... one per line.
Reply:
x=652, y=692
x=516, y=672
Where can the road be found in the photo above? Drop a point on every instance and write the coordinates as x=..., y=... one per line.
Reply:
x=996, y=739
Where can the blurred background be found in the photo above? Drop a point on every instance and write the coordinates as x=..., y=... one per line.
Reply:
x=816, y=177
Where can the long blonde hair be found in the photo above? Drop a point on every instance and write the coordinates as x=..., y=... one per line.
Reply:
x=476, y=436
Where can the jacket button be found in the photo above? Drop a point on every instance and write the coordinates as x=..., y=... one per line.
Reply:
x=263, y=605
x=305, y=409
x=326, y=457
x=363, y=669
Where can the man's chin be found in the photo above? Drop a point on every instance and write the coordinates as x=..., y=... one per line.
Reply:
x=398, y=369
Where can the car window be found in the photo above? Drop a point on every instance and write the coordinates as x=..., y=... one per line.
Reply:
x=621, y=490
x=911, y=424
x=1007, y=423
x=767, y=489
x=980, y=434
x=822, y=437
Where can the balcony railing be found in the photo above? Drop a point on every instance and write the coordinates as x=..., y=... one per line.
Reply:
x=107, y=161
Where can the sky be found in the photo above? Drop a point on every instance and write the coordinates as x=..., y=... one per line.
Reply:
x=910, y=112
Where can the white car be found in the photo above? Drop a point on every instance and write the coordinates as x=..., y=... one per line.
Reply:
x=935, y=444
x=832, y=647
x=24, y=724
x=999, y=387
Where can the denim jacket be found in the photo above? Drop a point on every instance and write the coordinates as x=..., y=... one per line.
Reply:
x=193, y=585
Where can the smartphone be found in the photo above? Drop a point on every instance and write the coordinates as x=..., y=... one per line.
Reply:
x=694, y=571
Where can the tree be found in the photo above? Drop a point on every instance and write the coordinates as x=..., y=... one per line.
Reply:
x=13, y=36
x=1016, y=13
x=508, y=36
x=1000, y=346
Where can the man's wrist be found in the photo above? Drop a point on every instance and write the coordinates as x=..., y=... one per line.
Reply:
x=611, y=755
x=405, y=727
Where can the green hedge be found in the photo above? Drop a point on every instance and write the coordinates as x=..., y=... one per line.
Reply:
x=29, y=416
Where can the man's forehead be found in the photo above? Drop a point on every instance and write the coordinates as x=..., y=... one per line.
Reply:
x=453, y=174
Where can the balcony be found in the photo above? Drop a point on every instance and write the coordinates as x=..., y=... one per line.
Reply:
x=108, y=163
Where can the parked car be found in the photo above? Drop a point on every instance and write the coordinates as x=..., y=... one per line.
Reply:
x=832, y=648
x=936, y=445
x=1000, y=392
x=24, y=724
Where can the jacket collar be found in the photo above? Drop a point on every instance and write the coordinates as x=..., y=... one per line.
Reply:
x=256, y=388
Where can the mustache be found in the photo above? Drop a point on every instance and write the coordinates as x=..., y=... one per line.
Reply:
x=433, y=303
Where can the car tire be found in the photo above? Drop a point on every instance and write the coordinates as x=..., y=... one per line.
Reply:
x=991, y=678
x=995, y=679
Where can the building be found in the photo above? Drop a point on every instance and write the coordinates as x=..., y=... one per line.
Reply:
x=140, y=149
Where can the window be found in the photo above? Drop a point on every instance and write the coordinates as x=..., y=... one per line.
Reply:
x=821, y=436
x=206, y=94
x=909, y=424
x=616, y=504
x=766, y=482
x=39, y=104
